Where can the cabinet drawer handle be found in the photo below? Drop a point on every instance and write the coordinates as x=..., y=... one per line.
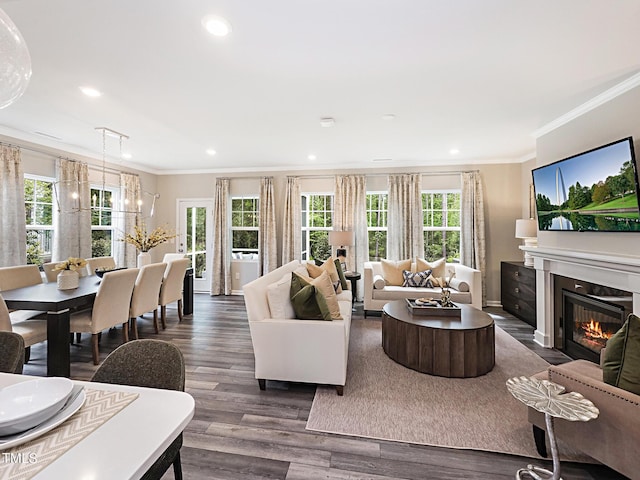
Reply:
x=517, y=290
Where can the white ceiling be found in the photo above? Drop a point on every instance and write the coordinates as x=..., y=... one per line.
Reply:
x=477, y=75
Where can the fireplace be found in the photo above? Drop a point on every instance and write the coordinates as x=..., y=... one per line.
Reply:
x=588, y=322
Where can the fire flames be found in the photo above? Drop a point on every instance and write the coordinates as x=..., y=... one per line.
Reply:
x=593, y=330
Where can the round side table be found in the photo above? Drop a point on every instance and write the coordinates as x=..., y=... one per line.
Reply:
x=353, y=277
x=552, y=400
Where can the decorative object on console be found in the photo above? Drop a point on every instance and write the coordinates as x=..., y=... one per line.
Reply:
x=340, y=240
x=528, y=230
x=445, y=296
x=69, y=278
x=144, y=241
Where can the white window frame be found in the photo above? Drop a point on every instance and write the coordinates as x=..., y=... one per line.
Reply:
x=377, y=228
x=445, y=228
x=253, y=228
x=31, y=226
x=115, y=194
x=306, y=228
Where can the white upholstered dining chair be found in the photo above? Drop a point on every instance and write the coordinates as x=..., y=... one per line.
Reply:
x=110, y=308
x=32, y=331
x=145, y=294
x=100, y=262
x=18, y=277
x=171, y=290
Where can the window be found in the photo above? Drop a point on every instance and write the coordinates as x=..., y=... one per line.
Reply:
x=244, y=224
x=102, y=228
x=38, y=203
x=377, y=209
x=441, y=220
x=317, y=220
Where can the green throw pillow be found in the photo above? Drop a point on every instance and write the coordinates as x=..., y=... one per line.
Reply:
x=621, y=366
x=308, y=303
x=343, y=279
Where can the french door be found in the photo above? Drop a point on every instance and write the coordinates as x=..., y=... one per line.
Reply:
x=195, y=226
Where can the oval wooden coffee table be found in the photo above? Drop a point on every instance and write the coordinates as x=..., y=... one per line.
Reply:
x=448, y=347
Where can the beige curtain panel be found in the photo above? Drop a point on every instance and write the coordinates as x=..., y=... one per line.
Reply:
x=405, y=238
x=350, y=214
x=126, y=219
x=221, y=275
x=292, y=228
x=267, y=227
x=472, y=236
x=73, y=220
x=13, y=240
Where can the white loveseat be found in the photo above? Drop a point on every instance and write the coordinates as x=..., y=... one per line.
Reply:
x=289, y=349
x=376, y=298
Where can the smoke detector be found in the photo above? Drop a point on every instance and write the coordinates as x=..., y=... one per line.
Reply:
x=327, y=122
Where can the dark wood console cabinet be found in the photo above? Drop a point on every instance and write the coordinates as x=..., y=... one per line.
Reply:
x=518, y=290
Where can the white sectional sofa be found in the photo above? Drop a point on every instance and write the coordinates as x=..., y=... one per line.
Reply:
x=376, y=298
x=289, y=349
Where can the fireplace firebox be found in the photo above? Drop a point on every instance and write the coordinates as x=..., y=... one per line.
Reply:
x=588, y=322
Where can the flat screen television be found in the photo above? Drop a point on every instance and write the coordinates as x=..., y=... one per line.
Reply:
x=594, y=191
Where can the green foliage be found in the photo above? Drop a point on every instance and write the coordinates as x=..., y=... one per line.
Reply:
x=34, y=250
x=579, y=196
x=377, y=244
x=319, y=243
x=101, y=243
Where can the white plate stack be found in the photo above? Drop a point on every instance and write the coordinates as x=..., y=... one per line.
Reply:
x=31, y=408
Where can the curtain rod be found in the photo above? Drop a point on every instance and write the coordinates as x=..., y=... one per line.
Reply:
x=91, y=166
x=451, y=172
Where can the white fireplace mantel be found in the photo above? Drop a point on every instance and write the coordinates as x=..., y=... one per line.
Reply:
x=617, y=271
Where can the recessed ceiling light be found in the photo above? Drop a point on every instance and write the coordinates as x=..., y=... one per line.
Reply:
x=327, y=122
x=454, y=151
x=312, y=157
x=216, y=26
x=388, y=116
x=211, y=152
x=91, y=92
x=126, y=155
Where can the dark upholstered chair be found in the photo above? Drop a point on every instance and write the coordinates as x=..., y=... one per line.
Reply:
x=11, y=352
x=148, y=363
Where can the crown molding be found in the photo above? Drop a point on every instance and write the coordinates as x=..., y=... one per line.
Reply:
x=606, y=96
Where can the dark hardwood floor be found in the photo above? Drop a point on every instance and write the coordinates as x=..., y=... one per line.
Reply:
x=241, y=433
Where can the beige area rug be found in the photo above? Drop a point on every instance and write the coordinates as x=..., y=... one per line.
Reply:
x=386, y=401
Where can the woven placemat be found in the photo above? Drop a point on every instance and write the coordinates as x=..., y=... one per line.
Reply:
x=26, y=460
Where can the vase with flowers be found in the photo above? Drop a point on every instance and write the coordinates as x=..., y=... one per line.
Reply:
x=145, y=241
x=69, y=276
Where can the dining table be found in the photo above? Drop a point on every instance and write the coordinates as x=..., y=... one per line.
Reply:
x=46, y=297
x=118, y=432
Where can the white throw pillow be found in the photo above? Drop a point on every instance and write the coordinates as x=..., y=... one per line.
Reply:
x=278, y=297
x=378, y=282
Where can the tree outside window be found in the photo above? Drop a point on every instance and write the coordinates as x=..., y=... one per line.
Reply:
x=377, y=210
x=317, y=220
x=38, y=202
x=102, y=222
x=441, y=225
x=245, y=215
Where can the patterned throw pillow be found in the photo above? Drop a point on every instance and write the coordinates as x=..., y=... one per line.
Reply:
x=417, y=279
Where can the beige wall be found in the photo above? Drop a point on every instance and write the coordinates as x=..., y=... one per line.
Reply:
x=502, y=188
x=504, y=198
x=612, y=121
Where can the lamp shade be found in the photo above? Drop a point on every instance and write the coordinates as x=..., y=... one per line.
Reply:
x=526, y=228
x=340, y=239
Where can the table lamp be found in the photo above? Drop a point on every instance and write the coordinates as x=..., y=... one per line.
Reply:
x=339, y=240
x=527, y=228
